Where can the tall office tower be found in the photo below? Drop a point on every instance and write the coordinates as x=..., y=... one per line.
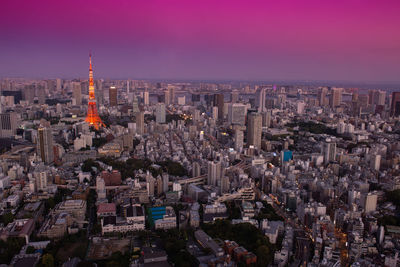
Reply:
x=322, y=96
x=329, y=151
x=113, y=96
x=266, y=119
x=336, y=97
x=196, y=169
x=127, y=87
x=45, y=144
x=29, y=93
x=237, y=113
x=381, y=98
x=239, y=136
x=77, y=93
x=171, y=90
x=146, y=98
x=395, y=106
x=160, y=113
x=140, y=122
x=92, y=117
x=219, y=102
x=254, y=130
x=8, y=124
x=235, y=96
x=58, y=85
x=167, y=97
x=261, y=99
x=41, y=94
x=213, y=172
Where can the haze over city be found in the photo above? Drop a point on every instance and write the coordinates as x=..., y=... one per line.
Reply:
x=354, y=40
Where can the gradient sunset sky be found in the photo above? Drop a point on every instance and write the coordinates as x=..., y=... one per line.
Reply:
x=350, y=40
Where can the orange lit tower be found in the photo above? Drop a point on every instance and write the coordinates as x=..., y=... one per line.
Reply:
x=92, y=117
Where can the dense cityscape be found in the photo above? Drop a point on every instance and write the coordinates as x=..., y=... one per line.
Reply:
x=166, y=173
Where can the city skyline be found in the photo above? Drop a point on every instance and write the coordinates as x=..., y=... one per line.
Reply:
x=296, y=40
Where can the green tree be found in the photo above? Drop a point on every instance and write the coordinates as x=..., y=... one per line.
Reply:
x=7, y=218
x=30, y=250
x=48, y=260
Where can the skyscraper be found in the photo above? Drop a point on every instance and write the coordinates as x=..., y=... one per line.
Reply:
x=8, y=124
x=77, y=93
x=45, y=144
x=395, y=106
x=92, y=117
x=239, y=140
x=322, y=96
x=213, y=172
x=254, y=130
x=113, y=96
x=261, y=99
x=234, y=96
x=140, y=122
x=160, y=113
x=146, y=98
x=336, y=97
x=237, y=113
x=167, y=97
x=219, y=102
x=171, y=90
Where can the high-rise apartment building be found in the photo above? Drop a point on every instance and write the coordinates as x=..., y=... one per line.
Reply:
x=219, y=102
x=239, y=136
x=45, y=144
x=254, y=130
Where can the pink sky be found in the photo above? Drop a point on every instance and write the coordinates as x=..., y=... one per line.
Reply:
x=355, y=40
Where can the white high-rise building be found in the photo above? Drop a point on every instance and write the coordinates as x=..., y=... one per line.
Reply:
x=239, y=140
x=213, y=172
x=261, y=100
x=146, y=98
x=329, y=151
x=160, y=113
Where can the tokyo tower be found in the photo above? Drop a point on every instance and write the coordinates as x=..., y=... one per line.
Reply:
x=92, y=115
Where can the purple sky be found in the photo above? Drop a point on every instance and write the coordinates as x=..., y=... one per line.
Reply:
x=353, y=40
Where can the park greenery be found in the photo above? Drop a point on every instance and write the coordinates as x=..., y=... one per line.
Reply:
x=10, y=248
x=129, y=167
x=312, y=127
x=246, y=235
